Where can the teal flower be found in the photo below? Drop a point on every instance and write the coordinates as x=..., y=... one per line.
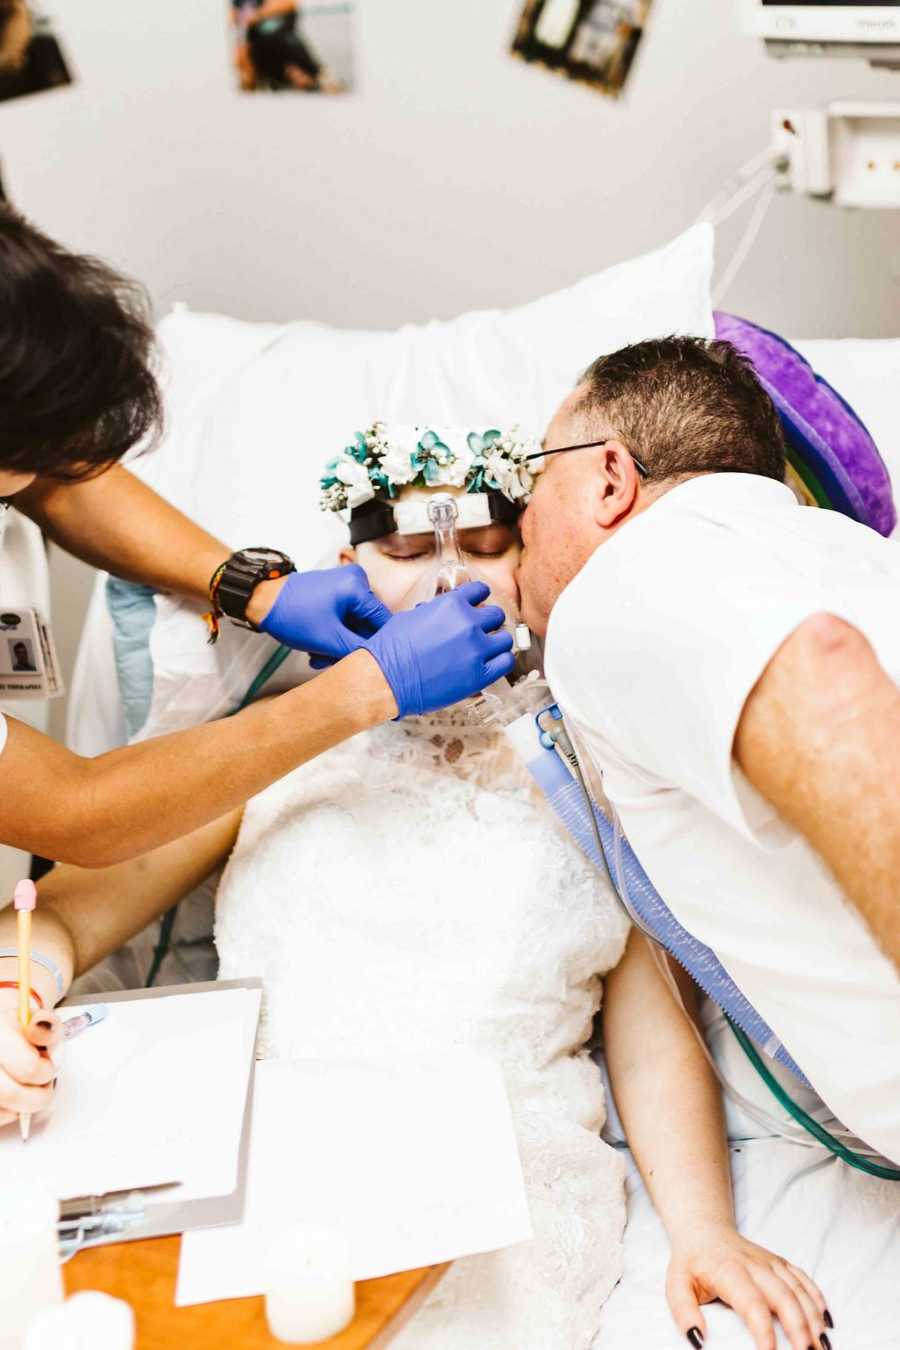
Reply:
x=429, y=457
x=359, y=450
x=479, y=445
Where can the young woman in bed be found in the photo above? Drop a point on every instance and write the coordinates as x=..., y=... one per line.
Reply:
x=357, y=888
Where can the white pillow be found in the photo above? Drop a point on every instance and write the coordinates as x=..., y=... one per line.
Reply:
x=254, y=411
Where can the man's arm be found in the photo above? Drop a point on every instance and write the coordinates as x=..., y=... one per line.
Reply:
x=819, y=738
x=96, y=812
x=116, y=522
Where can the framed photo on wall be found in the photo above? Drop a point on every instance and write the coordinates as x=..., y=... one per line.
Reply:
x=31, y=56
x=285, y=46
x=592, y=41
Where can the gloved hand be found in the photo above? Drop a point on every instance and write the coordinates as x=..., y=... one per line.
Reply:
x=326, y=612
x=443, y=651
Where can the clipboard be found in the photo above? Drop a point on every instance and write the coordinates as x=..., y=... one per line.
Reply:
x=161, y=1218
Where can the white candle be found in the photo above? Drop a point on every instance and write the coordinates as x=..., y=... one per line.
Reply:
x=86, y=1321
x=30, y=1277
x=308, y=1285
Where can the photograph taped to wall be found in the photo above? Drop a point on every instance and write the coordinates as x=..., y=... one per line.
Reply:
x=31, y=57
x=285, y=45
x=592, y=41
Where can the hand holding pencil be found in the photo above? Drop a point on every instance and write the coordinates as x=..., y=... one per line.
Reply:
x=26, y=1038
x=24, y=901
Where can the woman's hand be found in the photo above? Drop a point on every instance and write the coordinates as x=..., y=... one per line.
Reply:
x=715, y=1262
x=26, y=1069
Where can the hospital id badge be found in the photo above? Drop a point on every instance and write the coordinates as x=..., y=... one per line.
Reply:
x=28, y=664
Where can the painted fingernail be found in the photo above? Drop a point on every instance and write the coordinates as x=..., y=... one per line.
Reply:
x=829, y=1320
x=824, y=1342
x=695, y=1336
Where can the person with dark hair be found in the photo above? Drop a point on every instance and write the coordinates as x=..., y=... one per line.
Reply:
x=22, y=659
x=77, y=391
x=729, y=661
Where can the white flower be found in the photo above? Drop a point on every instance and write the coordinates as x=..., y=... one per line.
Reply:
x=395, y=462
x=376, y=440
x=499, y=468
x=458, y=469
x=333, y=498
x=356, y=477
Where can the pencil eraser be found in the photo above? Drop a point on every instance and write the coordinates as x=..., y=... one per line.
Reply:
x=25, y=895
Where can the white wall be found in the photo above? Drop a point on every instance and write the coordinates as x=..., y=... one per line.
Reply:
x=455, y=177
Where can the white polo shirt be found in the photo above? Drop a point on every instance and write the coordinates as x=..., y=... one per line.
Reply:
x=652, y=650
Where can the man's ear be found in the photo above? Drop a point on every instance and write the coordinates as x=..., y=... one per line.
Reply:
x=617, y=485
x=347, y=555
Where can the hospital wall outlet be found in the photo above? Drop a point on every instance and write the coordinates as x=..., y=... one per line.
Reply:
x=848, y=153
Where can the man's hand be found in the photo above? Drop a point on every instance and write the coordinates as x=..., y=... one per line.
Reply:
x=328, y=612
x=819, y=737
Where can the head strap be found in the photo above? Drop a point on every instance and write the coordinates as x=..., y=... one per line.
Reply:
x=378, y=518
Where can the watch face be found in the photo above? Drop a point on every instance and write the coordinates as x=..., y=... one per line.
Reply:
x=263, y=556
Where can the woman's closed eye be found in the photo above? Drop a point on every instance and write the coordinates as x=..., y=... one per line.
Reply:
x=429, y=553
x=408, y=557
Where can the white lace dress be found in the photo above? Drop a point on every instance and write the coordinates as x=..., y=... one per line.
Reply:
x=406, y=894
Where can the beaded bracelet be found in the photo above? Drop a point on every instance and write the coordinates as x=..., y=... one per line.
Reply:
x=40, y=959
x=14, y=984
x=212, y=618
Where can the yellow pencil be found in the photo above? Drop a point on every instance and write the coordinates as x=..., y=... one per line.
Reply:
x=25, y=899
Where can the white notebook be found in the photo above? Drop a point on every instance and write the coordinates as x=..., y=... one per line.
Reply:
x=416, y=1166
x=156, y=1093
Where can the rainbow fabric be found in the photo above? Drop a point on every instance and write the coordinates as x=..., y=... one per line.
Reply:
x=832, y=458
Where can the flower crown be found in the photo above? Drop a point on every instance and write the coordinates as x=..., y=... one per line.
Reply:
x=386, y=458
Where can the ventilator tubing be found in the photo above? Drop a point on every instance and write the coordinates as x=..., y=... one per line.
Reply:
x=542, y=741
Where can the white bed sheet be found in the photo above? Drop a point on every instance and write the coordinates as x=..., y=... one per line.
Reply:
x=842, y=1227
x=796, y=1199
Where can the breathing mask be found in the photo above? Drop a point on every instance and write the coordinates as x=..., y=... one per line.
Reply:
x=451, y=567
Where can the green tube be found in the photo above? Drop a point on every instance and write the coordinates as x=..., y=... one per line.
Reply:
x=811, y=1126
x=275, y=661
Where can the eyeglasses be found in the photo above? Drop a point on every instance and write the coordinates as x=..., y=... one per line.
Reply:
x=589, y=445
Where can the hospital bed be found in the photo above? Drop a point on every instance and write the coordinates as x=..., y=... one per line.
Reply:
x=234, y=392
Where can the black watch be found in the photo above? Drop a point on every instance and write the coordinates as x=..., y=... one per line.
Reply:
x=234, y=584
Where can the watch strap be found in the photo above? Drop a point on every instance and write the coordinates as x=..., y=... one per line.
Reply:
x=235, y=580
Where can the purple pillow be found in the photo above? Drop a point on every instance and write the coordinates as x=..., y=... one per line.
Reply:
x=828, y=446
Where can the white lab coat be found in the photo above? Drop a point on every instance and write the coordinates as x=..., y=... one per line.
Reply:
x=24, y=584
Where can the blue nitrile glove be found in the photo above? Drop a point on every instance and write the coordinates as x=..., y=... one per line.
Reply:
x=326, y=612
x=443, y=651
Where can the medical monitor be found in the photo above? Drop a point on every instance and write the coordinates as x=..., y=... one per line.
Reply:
x=811, y=28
